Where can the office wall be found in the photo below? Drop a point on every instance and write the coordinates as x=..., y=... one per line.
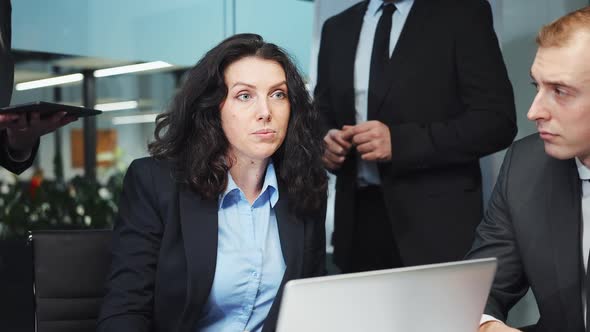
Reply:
x=177, y=31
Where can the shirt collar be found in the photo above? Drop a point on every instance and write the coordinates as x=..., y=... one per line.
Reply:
x=403, y=6
x=270, y=184
x=583, y=171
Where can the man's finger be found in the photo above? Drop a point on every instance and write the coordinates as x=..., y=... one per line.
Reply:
x=6, y=120
x=34, y=119
x=335, y=158
x=20, y=123
x=329, y=164
x=370, y=156
x=67, y=119
x=333, y=146
x=362, y=138
x=339, y=139
x=365, y=147
x=364, y=127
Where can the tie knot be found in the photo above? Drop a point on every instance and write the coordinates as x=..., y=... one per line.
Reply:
x=388, y=8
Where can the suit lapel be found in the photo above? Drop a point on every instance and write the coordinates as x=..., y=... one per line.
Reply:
x=407, y=44
x=291, y=234
x=199, y=224
x=563, y=210
x=347, y=41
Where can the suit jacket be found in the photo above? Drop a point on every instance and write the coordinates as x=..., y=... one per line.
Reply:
x=533, y=226
x=16, y=167
x=6, y=82
x=165, y=252
x=6, y=64
x=447, y=101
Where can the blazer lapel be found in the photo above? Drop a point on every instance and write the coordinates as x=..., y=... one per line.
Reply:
x=199, y=223
x=563, y=210
x=407, y=44
x=291, y=234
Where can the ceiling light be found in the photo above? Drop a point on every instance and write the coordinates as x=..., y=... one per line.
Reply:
x=52, y=81
x=132, y=119
x=131, y=68
x=121, y=105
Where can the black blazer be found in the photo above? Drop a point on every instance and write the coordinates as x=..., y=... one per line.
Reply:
x=16, y=167
x=533, y=226
x=6, y=82
x=447, y=101
x=6, y=64
x=165, y=251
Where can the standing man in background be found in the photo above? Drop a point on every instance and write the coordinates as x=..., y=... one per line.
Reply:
x=19, y=134
x=412, y=93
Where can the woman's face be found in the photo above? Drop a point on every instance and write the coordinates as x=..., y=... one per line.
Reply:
x=255, y=113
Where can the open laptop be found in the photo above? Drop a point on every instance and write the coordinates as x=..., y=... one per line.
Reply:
x=448, y=297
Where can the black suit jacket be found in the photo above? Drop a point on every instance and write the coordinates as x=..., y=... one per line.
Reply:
x=447, y=102
x=533, y=226
x=165, y=252
x=6, y=82
x=6, y=64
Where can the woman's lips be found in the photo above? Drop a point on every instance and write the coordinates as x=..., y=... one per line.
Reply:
x=265, y=133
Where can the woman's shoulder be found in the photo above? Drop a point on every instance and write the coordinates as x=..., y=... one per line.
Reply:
x=153, y=170
x=151, y=163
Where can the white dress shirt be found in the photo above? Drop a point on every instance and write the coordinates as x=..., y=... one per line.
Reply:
x=584, y=173
x=367, y=171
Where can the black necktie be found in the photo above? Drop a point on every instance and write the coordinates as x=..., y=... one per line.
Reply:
x=587, y=282
x=587, y=286
x=379, y=57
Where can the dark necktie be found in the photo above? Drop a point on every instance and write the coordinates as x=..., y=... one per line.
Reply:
x=587, y=286
x=587, y=283
x=379, y=57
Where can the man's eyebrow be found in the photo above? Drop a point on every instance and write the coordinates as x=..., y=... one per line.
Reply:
x=552, y=82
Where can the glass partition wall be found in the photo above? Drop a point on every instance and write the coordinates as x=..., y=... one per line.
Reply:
x=65, y=189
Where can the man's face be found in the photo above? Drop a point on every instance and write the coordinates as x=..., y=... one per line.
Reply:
x=561, y=108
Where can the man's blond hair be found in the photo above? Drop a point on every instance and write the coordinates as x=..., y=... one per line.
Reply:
x=561, y=31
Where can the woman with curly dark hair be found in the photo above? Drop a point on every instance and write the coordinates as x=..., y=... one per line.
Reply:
x=230, y=205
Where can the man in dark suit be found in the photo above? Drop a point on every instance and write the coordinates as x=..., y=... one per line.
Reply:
x=413, y=93
x=19, y=135
x=539, y=215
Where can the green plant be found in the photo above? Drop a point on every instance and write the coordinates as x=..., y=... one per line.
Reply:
x=77, y=204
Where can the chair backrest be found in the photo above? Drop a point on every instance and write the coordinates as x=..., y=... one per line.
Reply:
x=70, y=269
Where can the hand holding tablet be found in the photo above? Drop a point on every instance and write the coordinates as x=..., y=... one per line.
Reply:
x=25, y=123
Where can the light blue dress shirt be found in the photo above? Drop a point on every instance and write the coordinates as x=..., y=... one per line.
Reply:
x=250, y=264
x=368, y=173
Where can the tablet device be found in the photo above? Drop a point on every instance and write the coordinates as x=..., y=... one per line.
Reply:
x=47, y=109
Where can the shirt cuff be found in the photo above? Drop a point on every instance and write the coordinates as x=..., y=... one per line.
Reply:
x=487, y=318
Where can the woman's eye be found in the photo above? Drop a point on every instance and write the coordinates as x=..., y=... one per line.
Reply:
x=244, y=96
x=279, y=95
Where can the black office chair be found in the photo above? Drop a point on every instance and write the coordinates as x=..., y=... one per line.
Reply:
x=70, y=269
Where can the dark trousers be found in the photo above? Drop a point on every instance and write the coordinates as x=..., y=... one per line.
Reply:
x=373, y=246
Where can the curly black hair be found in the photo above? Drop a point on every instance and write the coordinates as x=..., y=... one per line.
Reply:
x=190, y=135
